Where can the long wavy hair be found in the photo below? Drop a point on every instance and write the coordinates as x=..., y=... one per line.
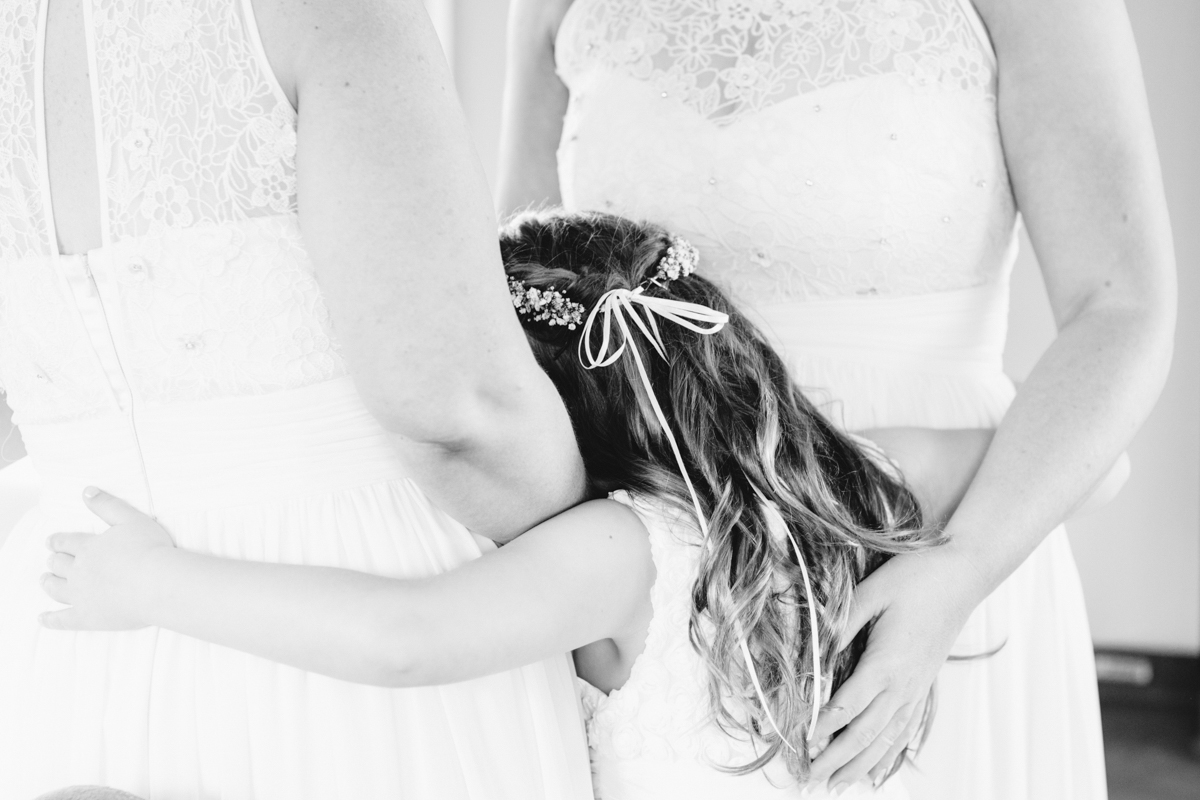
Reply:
x=747, y=435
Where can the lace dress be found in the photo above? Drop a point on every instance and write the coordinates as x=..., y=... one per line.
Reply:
x=655, y=738
x=188, y=366
x=839, y=165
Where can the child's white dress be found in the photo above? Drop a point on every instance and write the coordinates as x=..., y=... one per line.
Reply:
x=188, y=366
x=654, y=738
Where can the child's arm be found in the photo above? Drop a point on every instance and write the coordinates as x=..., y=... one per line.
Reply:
x=577, y=578
x=939, y=465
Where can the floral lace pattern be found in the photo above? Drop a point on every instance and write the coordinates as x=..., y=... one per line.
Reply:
x=203, y=288
x=207, y=137
x=23, y=227
x=730, y=58
x=854, y=151
x=662, y=711
x=655, y=736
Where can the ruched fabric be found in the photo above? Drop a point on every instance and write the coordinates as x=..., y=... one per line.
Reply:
x=872, y=360
x=300, y=477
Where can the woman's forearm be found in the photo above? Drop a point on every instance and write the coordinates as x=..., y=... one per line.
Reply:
x=1070, y=422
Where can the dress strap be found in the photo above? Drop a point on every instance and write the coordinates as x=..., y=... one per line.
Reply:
x=260, y=54
x=981, y=31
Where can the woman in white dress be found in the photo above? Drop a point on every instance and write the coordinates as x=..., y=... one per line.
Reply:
x=840, y=165
x=162, y=334
x=722, y=504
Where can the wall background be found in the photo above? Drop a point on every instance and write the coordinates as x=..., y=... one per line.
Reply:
x=1139, y=556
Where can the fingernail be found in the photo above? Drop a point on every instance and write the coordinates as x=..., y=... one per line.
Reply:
x=90, y=492
x=840, y=789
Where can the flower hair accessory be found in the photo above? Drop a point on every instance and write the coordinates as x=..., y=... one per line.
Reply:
x=680, y=261
x=545, y=305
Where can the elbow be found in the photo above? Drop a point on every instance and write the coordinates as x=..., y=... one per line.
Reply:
x=452, y=413
x=394, y=673
x=1145, y=317
x=399, y=656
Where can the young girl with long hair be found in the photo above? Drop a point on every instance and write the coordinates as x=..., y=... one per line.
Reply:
x=706, y=590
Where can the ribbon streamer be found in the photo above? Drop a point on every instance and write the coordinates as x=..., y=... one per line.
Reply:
x=614, y=306
x=779, y=527
x=619, y=306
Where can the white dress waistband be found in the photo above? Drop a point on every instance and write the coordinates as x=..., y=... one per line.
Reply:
x=228, y=451
x=958, y=332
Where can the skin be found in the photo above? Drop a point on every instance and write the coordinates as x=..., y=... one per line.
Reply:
x=396, y=217
x=533, y=598
x=1084, y=168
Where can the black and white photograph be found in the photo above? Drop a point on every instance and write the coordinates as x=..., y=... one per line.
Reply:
x=599, y=399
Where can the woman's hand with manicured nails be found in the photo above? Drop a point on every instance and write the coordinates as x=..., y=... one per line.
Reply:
x=102, y=577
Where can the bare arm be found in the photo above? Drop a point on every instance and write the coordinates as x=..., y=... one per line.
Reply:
x=535, y=101
x=1085, y=171
x=580, y=577
x=939, y=466
x=396, y=216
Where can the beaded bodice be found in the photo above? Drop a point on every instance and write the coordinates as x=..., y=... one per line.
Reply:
x=810, y=148
x=202, y=287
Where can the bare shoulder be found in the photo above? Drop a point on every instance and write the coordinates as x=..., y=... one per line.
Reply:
x=1046, y=29
x=537, y=20
x=609, y=521
x=598, y=537
x=303, y=38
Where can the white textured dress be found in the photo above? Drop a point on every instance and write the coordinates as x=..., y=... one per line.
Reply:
x=187, y=365
x=839, y=165
x=655, y=738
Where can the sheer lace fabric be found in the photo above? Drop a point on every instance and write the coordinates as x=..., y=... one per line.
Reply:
x=655, y=736
x=203, y=288
x=24, y=222
x=839, y=165
x=736, y=57
x=757, y=128
x=188, y=365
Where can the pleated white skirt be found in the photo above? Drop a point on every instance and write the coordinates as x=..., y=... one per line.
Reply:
x=1023, y=724
x=300, y=477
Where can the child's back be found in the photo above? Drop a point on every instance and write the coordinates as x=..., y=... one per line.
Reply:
x=655, y=737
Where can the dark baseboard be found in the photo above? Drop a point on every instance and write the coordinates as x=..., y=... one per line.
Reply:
x=1153, y=681
x=1150, y=697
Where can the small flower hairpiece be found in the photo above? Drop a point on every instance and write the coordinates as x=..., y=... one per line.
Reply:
x=545, y=305
x=680, y=261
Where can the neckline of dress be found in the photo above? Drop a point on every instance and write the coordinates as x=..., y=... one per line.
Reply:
x=967, y=7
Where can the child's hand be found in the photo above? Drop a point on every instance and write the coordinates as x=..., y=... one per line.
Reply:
x=104, y=577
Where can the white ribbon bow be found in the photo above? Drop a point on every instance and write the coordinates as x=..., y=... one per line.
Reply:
x=619, y=306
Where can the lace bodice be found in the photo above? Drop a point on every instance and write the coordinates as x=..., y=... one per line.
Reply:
x=203, y=287
x=810, y=148
x=655, y=736
x=662, y=710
